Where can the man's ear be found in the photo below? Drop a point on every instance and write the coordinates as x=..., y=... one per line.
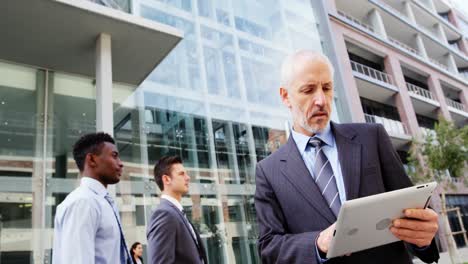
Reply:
x=166, y=179
x=90, y=159
x=285, y=97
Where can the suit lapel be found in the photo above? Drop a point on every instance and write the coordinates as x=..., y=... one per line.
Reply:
x=293, y=167
x=201, y=248
x=349, y=155
x=185, y=221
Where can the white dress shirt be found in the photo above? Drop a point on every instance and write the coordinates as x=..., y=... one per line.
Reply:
x=86, y=230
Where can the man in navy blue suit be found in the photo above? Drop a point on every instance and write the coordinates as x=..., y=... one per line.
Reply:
x=302, y=185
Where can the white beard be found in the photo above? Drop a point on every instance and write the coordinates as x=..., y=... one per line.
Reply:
x=301, y=117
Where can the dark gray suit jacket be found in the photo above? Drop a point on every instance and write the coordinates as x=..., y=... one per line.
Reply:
x=170, y=239
x=291, y=211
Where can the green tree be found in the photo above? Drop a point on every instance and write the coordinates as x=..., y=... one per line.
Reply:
x=445, y=150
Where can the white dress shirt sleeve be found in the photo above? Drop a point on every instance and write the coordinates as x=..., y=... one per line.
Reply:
x=79, y=224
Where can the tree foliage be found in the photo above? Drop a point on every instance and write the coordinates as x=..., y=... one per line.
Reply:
x=445, y=150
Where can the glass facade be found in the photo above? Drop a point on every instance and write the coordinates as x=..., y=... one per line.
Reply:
x=214, y=101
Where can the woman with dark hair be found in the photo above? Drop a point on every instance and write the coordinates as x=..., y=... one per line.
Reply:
x=137, y=251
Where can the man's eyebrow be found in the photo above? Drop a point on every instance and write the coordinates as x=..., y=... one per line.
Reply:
x=308, y=85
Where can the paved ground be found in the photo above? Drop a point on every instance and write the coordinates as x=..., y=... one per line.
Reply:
x=445, y=258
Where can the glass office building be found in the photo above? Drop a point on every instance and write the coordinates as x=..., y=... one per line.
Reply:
x=214, y=101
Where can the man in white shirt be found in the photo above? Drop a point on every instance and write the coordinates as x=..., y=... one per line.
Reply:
x=171, y=236
x=87, y=224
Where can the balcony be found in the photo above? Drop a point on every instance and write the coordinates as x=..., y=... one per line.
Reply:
x=398, y=132
x=455, y=47
x=427, y=131
x=373, y=84
x=122, y=5
x=455, y=104
x=438, y=64
x=372, y=73
x=392, y=126
x=356, y=22
x=464, y=75
x=404, y=46
x=416, y=90
x=424, y=102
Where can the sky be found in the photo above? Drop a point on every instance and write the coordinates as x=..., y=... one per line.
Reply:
x=462, y=4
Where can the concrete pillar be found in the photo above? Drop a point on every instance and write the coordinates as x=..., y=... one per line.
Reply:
x=330, y=5
x=453, y=19
x=350, y=89
x=440, y=33
x=420, y=45
x=104, y=109
x=377, y=23
x=463, y=42
x=402, y=99
x=39, y=170
x=463, y=45
x=408, y=10
x=450, y=62
x=436, y=89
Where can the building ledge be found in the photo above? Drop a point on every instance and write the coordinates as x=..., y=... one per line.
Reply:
x=60, y=35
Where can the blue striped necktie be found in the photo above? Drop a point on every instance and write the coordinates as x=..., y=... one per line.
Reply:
x=124, y=255
x=324, y=176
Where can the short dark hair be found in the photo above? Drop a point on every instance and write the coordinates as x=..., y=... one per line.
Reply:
x=163, y=167
x=89, y=143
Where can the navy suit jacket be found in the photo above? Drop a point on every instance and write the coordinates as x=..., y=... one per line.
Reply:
x=291, y=211
x=170, y=239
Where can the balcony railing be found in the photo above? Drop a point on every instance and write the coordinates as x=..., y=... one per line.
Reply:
x=454, y=46
x=372, y=73
x=404, y=46
x=438, y=64
x=455, y=104
x=400, y=14
x=392, y=126
x=419, y=91
x=122, y=5
x=427, y=131
x=464, y=75
x=355, y=21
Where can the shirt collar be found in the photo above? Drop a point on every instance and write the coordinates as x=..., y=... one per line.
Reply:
x=173, y=201
x=94, y=185
x=302, y=140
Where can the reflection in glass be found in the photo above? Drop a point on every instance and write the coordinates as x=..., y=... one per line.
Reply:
x=213, y=101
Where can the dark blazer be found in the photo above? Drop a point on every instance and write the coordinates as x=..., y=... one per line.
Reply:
x=291, y=211
x=170, y=239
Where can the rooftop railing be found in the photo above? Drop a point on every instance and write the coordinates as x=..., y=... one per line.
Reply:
x=372, y=73
x=420, y=91
x=392, y=126
x=455, y=104
x=355, y=21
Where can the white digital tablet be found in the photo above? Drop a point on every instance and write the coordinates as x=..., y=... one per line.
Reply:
x=365, y=222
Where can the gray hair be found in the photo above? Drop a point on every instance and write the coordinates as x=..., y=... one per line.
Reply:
x=288, y=66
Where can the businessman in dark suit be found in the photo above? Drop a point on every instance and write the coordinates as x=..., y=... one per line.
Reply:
x=302, y=185
x=171, y=236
